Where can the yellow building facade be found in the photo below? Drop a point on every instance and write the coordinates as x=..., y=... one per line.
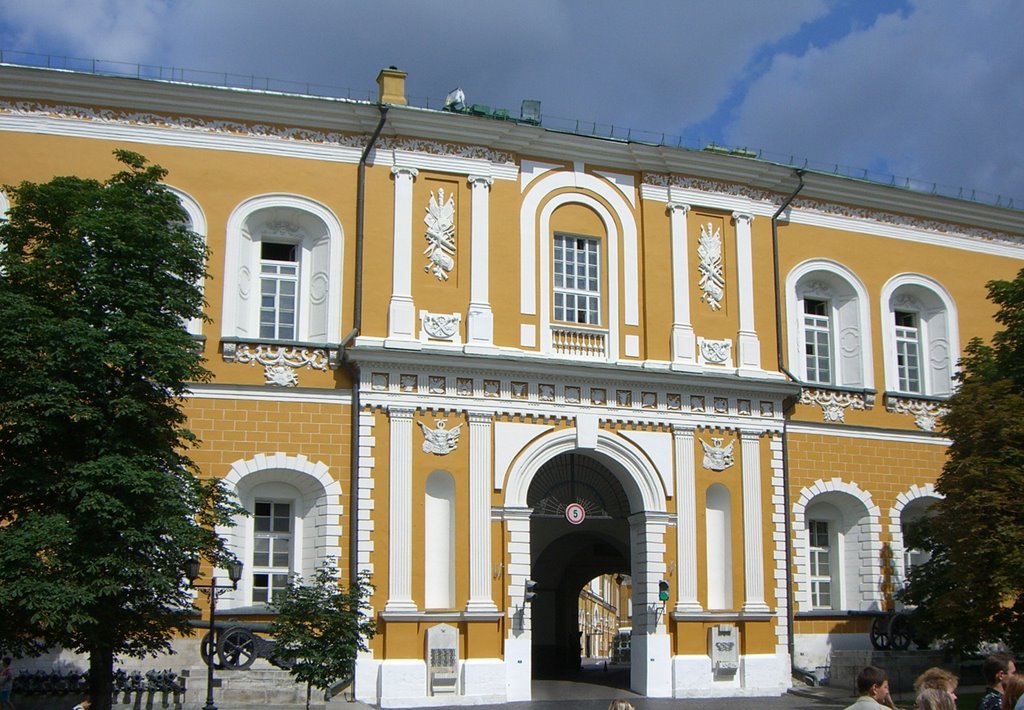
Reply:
x=488, y=363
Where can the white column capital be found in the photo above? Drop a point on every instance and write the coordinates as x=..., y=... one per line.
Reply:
x=683, y=429
x=751, y=434
x=674, y=207
x=480, y=180
x=400, y=412
x=404, y=171
x=744, y=217
x=479, y=417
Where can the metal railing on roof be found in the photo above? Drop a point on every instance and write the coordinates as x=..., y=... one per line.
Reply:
x=607, y=131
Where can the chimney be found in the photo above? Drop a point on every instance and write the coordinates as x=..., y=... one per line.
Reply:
x=392, y=86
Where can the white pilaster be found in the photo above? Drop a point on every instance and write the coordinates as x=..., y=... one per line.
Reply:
x=686, y=520
x=753, y=542
x=517, y=549
x=480, y=319
x=401, y=310
x=684, y=343
x=480, y=513
x=749, y=346
x=651, y=652
x=400, y=512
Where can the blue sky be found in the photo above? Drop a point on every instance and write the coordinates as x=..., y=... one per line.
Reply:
x=931, y=90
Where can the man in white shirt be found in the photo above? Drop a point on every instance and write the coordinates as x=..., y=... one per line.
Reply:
x=873, y=689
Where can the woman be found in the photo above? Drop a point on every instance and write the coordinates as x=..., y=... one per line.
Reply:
x=934, y=699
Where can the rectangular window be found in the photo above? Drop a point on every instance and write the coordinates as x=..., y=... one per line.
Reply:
x=577, y=279
x=820, y=564
x=818, y=341
x=908, y=351
x=279, y=282
x=272, y=550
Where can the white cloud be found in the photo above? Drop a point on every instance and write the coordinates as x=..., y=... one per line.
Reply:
x=935, y=95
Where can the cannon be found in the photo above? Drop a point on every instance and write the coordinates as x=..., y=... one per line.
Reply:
x=895, y=631
x=236, y=647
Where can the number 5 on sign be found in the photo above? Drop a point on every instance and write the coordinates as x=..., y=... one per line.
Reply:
x=575, y=513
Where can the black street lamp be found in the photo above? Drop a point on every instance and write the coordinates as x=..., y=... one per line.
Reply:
x=212, y=590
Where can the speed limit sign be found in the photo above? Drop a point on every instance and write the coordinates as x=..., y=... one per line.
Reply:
x=575, y=513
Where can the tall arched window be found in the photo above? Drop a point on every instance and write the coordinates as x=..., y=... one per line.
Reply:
x=840, y=554
x=718, y=517
x=197, y=223
x=829, y=328
x=439, y=541
x=920, y=336
x=283, y=265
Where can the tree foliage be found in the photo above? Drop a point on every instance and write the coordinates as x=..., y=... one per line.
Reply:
x=322, y=625
x=100, y=506
x=969, y=592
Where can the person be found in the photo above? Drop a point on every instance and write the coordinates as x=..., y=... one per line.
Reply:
x=1013, y=691
x=995, y=669
x=620, y=704
x=83, y=704
x=6, y=684
x=934, y=699
x=938, y=679
x=872, y=689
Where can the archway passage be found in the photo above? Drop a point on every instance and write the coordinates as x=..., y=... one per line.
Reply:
x=566, y=553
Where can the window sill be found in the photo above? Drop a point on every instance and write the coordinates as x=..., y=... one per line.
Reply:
x=834, y=400
x=925, y=409
x=276, y=353
x=721, y=616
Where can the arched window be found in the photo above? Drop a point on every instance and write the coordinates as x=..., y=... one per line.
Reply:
x=839, y=550
x=718, y=522
x=439, y=541
x=292, y=525
x=920, y=336
x=196, y=221
x=283, y=265
x=829, y=327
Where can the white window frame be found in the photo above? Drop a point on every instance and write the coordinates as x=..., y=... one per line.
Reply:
x=197, y=223
x=594, y=298
x=910, y=375
x=938, y=333
x=271, y=570
x=814, y=555
x=279, y=272
x=320, y=240
x=823, y=279
x=822, y=325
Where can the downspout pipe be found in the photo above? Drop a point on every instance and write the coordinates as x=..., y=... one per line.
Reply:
x=357, y=322
x=787, y=502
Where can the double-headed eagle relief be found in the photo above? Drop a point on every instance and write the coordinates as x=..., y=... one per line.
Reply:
x=716, y=456
x=440, y=235
x=440, y=440
x=712, y=276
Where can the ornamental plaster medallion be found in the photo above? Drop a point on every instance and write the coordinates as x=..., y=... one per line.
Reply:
x=649, y=400
x=280, y=376
x=598, y=396
x=492, y=388
x=440, y=326
x=696, y=403
x=464, y=386
x=767, y=409
x=674, y=401
x=437, y=384
x=716, y=352
x=440, y=440
x=440, y=235
x=716, y=456
x=572, y=394
x=743, y=407
x=721, y=405
x=407, y=383
x=624, y=398
x=712, y=277
x=833, y=403
x=520, y=390
x=546, y=393
x=926, y=413
x=380, y=381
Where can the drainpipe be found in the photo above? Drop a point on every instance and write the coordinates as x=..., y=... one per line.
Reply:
x=785, y=443
x=357, y=321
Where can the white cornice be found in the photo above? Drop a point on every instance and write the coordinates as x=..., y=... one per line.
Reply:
x=270, y=394
x=888, y=435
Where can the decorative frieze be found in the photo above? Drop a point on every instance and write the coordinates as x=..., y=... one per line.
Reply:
x=440, y=326
x=715, y=352
x=926, y=412
x=834, y=403
x=280, y=361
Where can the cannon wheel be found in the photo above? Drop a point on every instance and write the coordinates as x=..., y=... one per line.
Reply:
x=237, y=648
x=900, y=632
x=880, y=638
x=206, y=649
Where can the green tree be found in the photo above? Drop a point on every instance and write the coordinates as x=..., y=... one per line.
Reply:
x=969, y=592
x=100, y=507
x=322, y=625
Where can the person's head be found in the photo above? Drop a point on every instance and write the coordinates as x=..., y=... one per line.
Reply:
x=1013, y=689
x=997, y=668
x=620, y=704
x=874, y=682
x=85, y=702
x=938, y=679
x=934, y=699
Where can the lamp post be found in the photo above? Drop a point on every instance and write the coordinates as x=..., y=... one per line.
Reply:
x=212, y=590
